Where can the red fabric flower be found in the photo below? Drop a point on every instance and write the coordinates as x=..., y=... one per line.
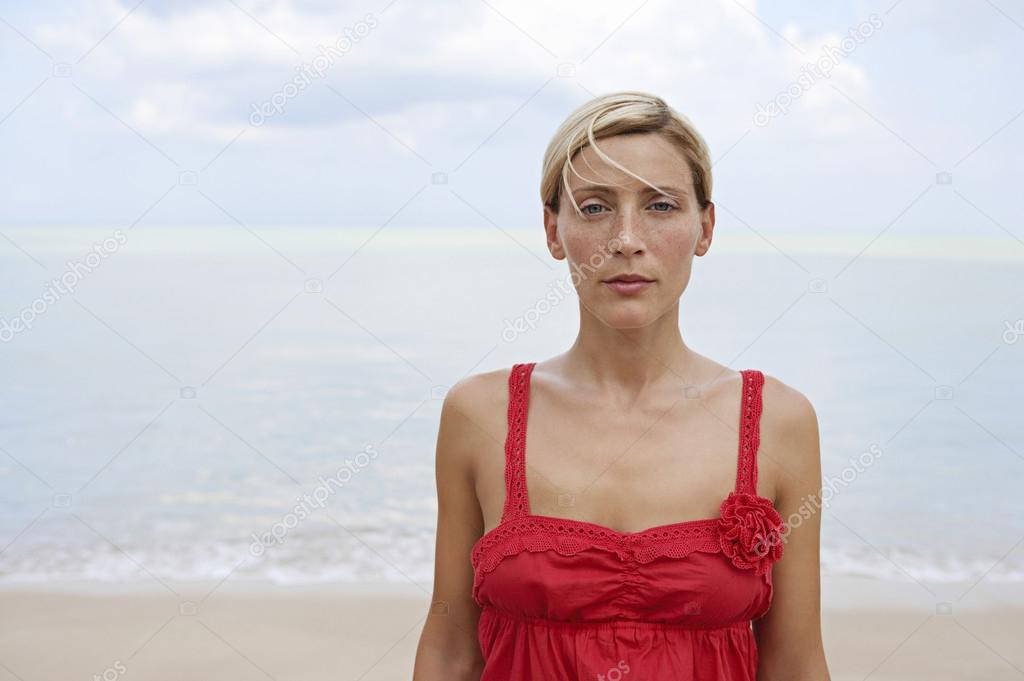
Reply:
x=750, y=531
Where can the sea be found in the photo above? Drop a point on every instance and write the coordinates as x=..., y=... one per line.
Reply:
x=261, y=403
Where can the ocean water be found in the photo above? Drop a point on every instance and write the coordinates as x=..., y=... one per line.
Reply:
x=229, y=403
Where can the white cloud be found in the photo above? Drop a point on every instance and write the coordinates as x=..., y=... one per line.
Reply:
x=446, y=78
x=167, y=69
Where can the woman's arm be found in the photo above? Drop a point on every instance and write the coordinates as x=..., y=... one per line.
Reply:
x=789, y=635
x=448, y=648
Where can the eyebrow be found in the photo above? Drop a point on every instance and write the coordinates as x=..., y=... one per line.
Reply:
x=602, y=189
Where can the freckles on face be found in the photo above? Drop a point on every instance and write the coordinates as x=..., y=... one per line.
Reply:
x=670, y=244
x=664, y=254
x=625, y=225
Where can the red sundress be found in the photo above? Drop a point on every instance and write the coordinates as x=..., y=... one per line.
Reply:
x=568, y=600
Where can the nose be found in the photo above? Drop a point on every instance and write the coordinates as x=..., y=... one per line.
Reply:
x=629, y=232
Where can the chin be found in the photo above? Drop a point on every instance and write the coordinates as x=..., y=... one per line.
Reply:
x=626, y=315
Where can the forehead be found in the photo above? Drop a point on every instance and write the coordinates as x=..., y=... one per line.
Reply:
x=649, y=155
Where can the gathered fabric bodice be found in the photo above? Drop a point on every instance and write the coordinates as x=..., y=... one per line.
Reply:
x=568, y=600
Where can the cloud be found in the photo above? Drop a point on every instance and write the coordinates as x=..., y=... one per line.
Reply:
x=200, y=69
x=476, y=88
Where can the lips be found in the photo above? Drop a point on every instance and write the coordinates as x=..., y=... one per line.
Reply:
x=627, y=278
x=628, y=284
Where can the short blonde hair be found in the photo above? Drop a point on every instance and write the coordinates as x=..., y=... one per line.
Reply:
x=621, y=113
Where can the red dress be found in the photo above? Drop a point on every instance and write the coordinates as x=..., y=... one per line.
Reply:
x=568, y=600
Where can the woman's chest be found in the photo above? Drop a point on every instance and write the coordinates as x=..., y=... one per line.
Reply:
x=699, y=589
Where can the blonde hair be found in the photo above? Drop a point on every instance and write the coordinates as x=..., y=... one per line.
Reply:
x=621, y=113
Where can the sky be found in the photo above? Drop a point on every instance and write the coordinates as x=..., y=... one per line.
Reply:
x=367, y=114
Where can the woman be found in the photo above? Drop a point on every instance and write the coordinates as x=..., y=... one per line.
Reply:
x=635, y=528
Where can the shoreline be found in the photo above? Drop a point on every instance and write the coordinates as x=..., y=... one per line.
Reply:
x=839, y=593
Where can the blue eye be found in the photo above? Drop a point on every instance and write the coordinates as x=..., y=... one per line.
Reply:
x=591, y=205
x=663, y=203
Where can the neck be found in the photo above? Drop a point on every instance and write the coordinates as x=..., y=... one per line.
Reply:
x=631, y=359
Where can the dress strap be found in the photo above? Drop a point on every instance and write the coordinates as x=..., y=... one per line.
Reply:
x=750, y=431
x=517, y=502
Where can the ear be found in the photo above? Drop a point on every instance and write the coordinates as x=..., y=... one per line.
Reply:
x=551, y=234
x=707, y=229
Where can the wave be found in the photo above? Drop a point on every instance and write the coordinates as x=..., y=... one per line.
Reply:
x=372, y=555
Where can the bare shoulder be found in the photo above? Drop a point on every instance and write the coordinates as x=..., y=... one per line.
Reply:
x=475, y=394
x=472, y=416
x=789, y=436
x=786, y=407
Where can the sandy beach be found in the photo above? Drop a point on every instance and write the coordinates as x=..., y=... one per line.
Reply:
x=298, y=633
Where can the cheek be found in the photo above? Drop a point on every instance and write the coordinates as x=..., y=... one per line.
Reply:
x=679, y=239
x=674, y=251
x=677, y=245
x=586, y=246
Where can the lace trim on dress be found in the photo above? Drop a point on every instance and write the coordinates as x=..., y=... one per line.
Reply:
x=515, y=442
x=750, y=431
x=568, y=537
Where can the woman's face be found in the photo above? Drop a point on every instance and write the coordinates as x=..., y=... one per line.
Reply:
x=629, y=228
